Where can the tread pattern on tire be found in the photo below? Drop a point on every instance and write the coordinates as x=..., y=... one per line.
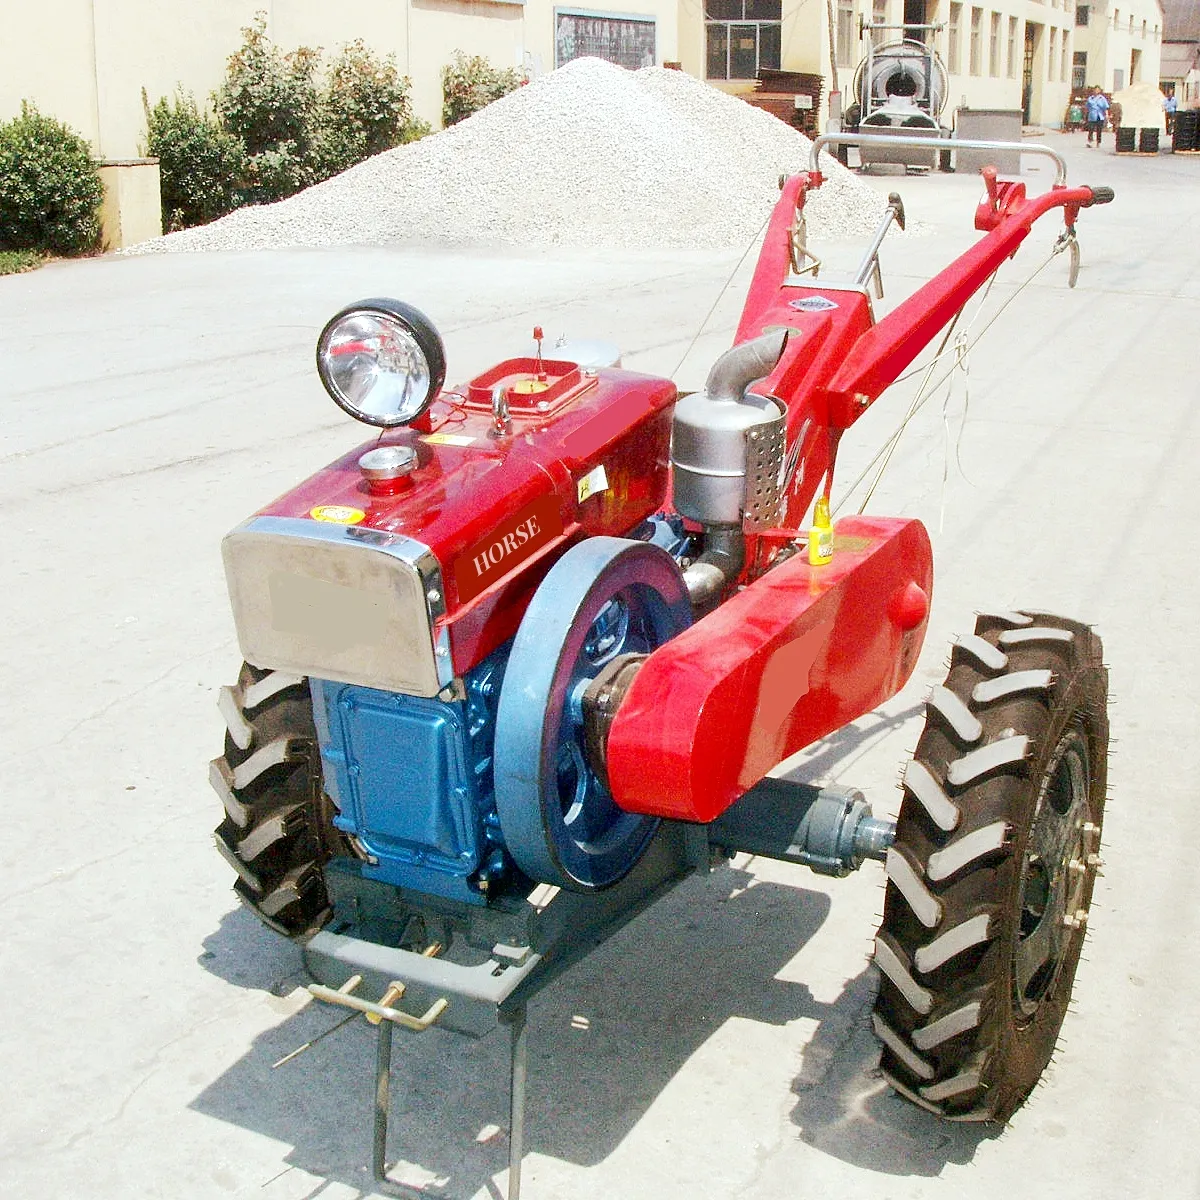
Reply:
x=954, y=1040
x=277, y=833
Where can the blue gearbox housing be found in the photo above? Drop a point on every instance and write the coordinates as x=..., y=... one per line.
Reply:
x=412, y=781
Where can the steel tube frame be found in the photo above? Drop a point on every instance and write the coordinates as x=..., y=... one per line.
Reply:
x=884, y=142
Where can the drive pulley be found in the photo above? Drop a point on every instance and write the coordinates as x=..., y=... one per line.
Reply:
x=605, y=598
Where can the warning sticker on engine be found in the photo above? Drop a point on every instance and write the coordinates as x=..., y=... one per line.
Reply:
x=593, y=483
x=337, y=514
x=449, y=439
x=508, y=545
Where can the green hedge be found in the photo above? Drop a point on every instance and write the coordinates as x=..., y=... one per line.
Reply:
x=199, y=162
x=469, y=83
x=282, y=122
x=50, y=189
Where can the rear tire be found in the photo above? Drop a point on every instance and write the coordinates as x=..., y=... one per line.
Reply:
x=990, y=878
x=278, y=830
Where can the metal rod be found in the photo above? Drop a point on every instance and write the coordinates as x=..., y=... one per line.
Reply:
x=383, y=1075
x=883, y=141
x=516, y=1103
x=381, y=1011
x=870, y=262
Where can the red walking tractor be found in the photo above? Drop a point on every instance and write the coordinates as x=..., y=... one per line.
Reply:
x=524, y=662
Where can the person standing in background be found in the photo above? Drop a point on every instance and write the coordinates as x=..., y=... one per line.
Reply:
x=1097, y=111
x=1170, y=105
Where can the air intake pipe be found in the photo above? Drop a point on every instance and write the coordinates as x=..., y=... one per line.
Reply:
x=727, y=454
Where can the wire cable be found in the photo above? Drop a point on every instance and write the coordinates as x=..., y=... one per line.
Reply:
x=926, y=390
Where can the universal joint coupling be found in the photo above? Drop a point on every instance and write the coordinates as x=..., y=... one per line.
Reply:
x=839, y=832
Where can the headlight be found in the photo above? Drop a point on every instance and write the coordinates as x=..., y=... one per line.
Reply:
x=382, y=361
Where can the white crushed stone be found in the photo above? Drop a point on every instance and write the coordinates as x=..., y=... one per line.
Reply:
x=590, y=155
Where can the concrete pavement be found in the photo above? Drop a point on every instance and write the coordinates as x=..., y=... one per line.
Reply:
x=149, y=404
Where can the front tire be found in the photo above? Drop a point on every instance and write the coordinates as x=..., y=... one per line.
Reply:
x=990, y=878
x=278, y=832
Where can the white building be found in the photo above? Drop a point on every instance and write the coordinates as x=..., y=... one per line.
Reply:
x=1006, y=54
x=1180, y=68
x=1117, y=42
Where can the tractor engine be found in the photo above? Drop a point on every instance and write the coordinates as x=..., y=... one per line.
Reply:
x=394, y=581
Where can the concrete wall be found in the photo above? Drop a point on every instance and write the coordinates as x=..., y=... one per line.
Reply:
x=1115, y=29
x=132, y=209
x=87, y=61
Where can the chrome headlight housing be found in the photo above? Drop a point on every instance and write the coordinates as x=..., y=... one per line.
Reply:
x=382, y=361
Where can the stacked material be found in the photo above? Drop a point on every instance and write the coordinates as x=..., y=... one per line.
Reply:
x=590, y=155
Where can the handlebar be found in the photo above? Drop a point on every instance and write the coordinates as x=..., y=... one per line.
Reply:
x=1101, y=195
x=882, y=141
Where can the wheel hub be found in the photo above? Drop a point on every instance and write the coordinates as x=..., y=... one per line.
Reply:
x=1054, y=875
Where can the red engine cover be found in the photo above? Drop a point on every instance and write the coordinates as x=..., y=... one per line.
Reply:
x=795, y=655
x=498, y=511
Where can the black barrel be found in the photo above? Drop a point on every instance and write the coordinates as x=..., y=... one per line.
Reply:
x=1187, y=130
x=1148, y=141
x=1126, y=139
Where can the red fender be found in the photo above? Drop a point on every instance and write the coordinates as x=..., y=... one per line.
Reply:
x=800, y=652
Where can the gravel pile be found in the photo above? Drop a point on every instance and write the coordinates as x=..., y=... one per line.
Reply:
x=590, y=155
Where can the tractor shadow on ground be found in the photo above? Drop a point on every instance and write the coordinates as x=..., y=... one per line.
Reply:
x=845, y=1109
x=605, y=1040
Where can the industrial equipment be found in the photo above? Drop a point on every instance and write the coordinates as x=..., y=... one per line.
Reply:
x=524, y=661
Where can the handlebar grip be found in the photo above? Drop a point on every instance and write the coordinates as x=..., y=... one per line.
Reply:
x=1102, y=195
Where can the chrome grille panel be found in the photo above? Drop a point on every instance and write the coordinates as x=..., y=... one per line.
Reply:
x=338, y=602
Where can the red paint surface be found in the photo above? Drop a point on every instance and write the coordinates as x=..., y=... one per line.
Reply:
x=507, y=546
x=461, y=494
x=796, y=655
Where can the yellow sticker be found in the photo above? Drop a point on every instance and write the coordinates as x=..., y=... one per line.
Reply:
x=594, y=482
x=337, y=514
x=448, y=439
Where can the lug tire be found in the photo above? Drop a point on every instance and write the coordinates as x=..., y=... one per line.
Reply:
x=278, y=832
x=990, y=878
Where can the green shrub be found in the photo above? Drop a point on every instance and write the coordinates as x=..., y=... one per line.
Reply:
x=366, y=108
x=200, y=164
x=282, y=124
x=271, y=101
x=50, y=189
x=470, y=83
x=13, y=262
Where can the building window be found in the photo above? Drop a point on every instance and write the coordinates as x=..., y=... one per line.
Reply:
x=1143, y=31
x=1065, y=73
x=1052, y=55
x=847, y=49
x=994, y=47
x=1079, y=71
x=1118, y=80
x=626, y=41
x=879, y=17
x=977, y=41
x=1081, y=14
x=954, y=32
x=1116, y=17
x=743, y=37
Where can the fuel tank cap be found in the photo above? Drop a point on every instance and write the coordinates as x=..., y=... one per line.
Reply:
x=386, y=468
